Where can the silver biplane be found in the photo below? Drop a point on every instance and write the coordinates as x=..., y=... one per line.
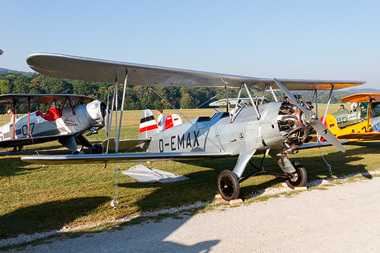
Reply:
x=273, y=128
x=66, y=124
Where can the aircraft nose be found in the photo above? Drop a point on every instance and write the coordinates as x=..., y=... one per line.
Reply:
x=96, y=113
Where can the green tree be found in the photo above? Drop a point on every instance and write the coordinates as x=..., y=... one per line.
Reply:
x=187, y=101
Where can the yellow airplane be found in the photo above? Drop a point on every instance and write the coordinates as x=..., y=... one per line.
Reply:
x=361, y=123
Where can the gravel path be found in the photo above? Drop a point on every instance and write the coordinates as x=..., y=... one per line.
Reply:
x=344, y=218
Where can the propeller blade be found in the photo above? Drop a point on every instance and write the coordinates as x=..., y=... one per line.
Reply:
x=312, y=119
x=326, y=133
x=293, y=99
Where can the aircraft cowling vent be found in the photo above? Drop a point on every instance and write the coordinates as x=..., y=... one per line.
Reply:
x=96, y=113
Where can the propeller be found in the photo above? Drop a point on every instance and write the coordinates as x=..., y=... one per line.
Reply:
x=312, y=119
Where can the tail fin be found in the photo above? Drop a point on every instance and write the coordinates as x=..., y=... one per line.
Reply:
x=148, y=125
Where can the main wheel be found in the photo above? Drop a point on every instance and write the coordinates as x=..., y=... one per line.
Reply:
x=228, y=185
x=298, y=178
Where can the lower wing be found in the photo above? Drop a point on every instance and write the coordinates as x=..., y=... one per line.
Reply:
x=34, y=140
x=360, y=136
x=319, y=144
x=129, y=157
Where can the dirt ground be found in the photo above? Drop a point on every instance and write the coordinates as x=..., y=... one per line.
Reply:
x=344, y=218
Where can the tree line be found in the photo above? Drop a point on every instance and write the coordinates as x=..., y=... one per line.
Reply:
x=136, y=97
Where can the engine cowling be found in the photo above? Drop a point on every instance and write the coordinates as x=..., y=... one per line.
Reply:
x=96, y=112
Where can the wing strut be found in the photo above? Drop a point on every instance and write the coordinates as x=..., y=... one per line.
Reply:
x=28, y=134
x=14, y=120
x=328, y=103
x=110, y=117
x=115, y=202
x=253, y=104
x=327, y=107
x=274, y=95
x=228, y=104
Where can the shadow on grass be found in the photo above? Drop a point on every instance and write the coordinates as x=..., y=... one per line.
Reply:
x=202, y=186
x=13, y=166
x=47, y=216
x=342, y=164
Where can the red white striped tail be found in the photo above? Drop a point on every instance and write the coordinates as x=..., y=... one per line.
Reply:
x=148, y=125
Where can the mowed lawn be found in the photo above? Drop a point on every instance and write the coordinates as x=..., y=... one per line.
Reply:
x=36, y=198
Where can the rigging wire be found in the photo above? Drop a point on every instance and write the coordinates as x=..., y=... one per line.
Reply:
x=171, y=105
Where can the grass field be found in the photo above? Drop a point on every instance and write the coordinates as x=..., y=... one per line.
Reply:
x=36, y=198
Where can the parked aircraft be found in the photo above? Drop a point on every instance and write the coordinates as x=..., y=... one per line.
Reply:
x=274, y=128
x=362, y=123
x=65, y=124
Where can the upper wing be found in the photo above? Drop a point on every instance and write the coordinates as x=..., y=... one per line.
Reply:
x=71, y=67
x=42, y=98
x=231, y=101
x=129, y=157
x=362, y=97
x=360, y=136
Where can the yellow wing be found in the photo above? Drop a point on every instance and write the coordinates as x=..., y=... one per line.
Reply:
x=362, y=97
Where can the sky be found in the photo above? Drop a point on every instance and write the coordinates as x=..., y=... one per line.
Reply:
x=327, y=40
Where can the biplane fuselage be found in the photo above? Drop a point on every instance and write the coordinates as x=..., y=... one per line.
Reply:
x=219, y=132
x=360, y=124
x=64, y=125
x=276, y=128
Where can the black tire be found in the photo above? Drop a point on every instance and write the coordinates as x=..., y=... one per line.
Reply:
x=98, y=149
x=79, y=152
x=228, y=185
x=299, y=178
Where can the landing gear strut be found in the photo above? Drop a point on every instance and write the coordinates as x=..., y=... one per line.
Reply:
x=228, y=185
x=229, y=188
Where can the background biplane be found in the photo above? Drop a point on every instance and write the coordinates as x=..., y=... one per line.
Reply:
x=274, y=128
x=362, y=123
x=66, y=124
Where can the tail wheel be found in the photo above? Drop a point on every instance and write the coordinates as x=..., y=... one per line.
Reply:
x=298, y=178
x=81, y=152
x=228, y=185
x=98, y=149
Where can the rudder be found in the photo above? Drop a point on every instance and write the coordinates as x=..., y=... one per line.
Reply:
x=148, y=125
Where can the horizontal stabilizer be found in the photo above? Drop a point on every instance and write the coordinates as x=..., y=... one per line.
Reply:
x=319, y=144
x=148, y=175
x=124, y=144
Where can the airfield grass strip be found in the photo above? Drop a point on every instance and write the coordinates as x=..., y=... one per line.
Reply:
x=36, y=198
